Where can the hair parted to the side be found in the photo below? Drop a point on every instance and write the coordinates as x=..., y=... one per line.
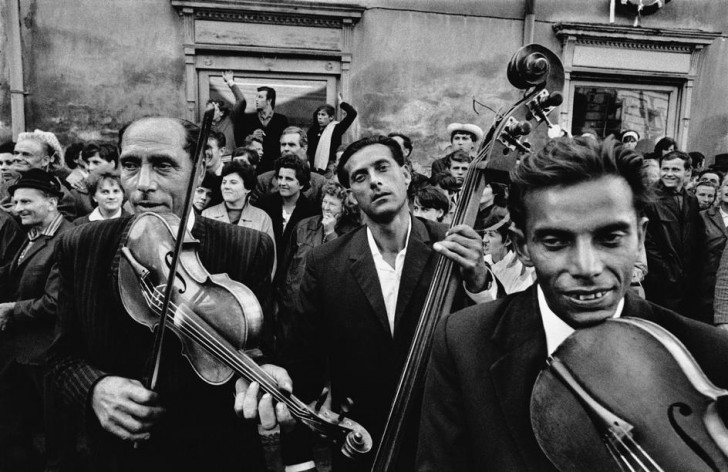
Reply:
x=302, y=137
x=357, y=146
x=571, y=161
x=683, y=156
x=270, y=94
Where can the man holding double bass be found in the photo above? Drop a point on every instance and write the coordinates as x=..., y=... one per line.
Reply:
x=362, y=295
x=578, y=210
x=100, y=355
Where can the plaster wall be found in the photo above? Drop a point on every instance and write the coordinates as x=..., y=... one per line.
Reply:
x=92, y=65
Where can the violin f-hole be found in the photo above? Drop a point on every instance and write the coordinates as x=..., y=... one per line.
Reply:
x=685, y=411
x=182, y=283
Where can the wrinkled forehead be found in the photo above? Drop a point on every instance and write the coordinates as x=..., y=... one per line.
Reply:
x=153, y=135
x=31, y=145
x=291, y=138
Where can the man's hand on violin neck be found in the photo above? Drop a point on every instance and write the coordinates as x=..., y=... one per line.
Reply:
x=465, y=247
x=251, y=405
x=125, y=408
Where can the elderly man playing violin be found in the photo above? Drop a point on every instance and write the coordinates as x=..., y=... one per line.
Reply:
x=578, y=213
x=100, y=356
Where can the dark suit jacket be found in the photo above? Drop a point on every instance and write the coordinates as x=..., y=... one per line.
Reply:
x=96, y=337
x=484, y=363
x=673, y=241
x=341, y=326
x=245, y=123
x=36, y=291
x=716, y=236
x=272, y=204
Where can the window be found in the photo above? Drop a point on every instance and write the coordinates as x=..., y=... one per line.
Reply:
x=296, y=97
x=651, y=110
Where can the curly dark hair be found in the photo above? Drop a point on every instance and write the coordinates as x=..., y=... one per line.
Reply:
x=570, y=161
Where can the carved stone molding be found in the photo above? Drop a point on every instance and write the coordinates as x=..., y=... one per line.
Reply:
x=270, y=19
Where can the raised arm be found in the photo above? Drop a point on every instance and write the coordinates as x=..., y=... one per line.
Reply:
x=240, y=103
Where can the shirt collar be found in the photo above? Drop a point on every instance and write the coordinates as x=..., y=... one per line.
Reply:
x=556, y=329
x=50, y=230
x=375, y=249
x=97, y=216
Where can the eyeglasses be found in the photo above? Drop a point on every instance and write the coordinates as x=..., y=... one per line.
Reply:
x=629, y=139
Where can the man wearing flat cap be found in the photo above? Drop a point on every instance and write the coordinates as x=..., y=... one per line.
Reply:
x=27, y=322
x=463, y=136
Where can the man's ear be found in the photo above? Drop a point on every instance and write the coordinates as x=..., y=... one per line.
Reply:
x=520, y=245
x=407, y=175
x=642, y=229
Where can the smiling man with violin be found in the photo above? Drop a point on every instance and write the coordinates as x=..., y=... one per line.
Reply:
x=578, y=212
x=101, y=355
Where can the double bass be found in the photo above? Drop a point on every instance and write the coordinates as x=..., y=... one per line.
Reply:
x=539, y=73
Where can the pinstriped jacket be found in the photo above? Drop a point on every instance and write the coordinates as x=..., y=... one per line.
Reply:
x=96, y=338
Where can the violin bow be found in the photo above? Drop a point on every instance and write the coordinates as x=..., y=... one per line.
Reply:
x=153, y=377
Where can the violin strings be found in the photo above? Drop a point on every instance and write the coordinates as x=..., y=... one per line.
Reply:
x=617, y=456
x=198, y=333
x=199, y=336
x=634, y=445
x=634, y=451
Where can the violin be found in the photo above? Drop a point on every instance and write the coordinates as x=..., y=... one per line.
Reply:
x=215, y=318
x=539, y=72
x=626, y=395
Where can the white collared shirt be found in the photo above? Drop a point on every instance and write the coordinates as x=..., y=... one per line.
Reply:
x=556, y=329
x=389, y=277
x=97, y=216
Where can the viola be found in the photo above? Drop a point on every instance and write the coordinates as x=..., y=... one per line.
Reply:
x=538, y=72
x=625, y=395
x=216, y=319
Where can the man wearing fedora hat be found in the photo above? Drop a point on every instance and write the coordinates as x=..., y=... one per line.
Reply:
x=463, y=136
x=27, y=322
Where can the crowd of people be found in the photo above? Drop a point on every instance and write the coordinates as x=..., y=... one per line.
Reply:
x=339, y=244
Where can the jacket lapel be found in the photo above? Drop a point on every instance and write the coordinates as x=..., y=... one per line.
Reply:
x=37, y=246
x=716, y=219
x=523, y=341
x=418, y=252
x=365, y=273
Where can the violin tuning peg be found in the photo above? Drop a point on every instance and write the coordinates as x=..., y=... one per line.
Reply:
x=321, y=399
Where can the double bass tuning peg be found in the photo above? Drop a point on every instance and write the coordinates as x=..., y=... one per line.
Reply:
x=321, y=399
x=344, y=409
